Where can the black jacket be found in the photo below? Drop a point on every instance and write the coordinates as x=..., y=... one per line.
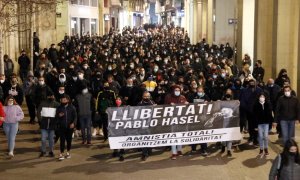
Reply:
x=262, y=113
x=69, y=116
x=287, y=109
x=47, y=122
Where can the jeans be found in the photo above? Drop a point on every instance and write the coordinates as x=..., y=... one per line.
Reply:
x=176, y=148
x=263, y=131
x=228, y=144
x=85, y=122
x=11, y=130
x=287, y=130
x=46, y=133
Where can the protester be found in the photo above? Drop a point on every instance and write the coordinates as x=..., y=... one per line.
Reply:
x=174, y=98
x=24, y=63
x=262, y=111
x=48, y=124
x=66, y=118
x=85, y=108
x=286, y=165
x=14, y=115
x=287, y=112
x=146, y=101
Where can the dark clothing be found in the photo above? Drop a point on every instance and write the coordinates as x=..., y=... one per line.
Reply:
x=273, y=93
x=85, y=104
x=287, y=109
x=258, y=74
x=291, y=171
x=48, y=123
x=262, y=113
x=40, y=94
x=65, y=135
x=8, y=67
x=17, y=93
x=69, y=116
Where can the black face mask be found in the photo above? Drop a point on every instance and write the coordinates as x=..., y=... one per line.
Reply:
x=51, y=99
x=292, y=153
x=227, y=96
x=251, y=85
x=146, y=99
x=64, y=104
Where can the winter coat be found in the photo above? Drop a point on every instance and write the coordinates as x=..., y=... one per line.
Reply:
x=287, y=109
x=47, y=122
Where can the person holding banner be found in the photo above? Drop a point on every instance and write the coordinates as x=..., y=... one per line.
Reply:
x=176, y=98
x=199, y=97
x=146, y=101
x=119, y=152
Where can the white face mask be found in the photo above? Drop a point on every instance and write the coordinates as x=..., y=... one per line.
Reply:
x=177, y=93
x=80, y=76
x=85, y=67
x=10, y=103
x=84, y=91
x=287, y=93
x=155, y=69
x=62, y=80
x=109, y=68
x=75, y=78
x=41, y=82
x=2, y=80
x=262, y=99
x=61, y=92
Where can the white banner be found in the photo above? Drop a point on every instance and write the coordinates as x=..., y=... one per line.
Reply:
x=177, y=138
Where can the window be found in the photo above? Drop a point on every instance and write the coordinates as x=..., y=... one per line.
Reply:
x=74, y=1
x=93, y=26
x=84, y=2
x=94, y=3
x=74, y=26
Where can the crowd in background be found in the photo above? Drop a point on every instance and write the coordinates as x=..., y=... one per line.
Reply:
x=159, y=65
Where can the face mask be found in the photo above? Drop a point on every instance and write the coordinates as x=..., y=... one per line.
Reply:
x=251, y=85
x=227, y=96
x=61, y=92
x=292, y=153
x=41, y=83
x=75, y=78
x=271, y=85
x=118, y=102
x=85, y=67
x=262, y=99
x=223, y=75
x=177, y=93
x=109, y=68
x=146, y=99
x=215, y=76
x=166, y=61
x=194, y=86
x=50, y=99
x=84, y=91
x=131, y=66
x=157, y=59
x=62, y=80
x=155, y=69
x=201, y=94
x=80, y=76
x=287, y=94
x=197, y=60
x=10, y=103
x=2, y=80
x=129, y=85
x=64, y=104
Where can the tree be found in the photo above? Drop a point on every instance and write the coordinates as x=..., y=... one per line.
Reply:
x=18, y=16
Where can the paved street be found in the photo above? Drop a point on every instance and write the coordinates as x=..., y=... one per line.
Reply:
x=94, y=162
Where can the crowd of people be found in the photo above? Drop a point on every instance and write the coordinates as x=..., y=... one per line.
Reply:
x=71, y=87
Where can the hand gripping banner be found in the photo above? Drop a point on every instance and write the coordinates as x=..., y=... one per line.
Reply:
x=166, y=125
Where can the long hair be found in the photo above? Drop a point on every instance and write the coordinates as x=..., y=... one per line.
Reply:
x=286, y=150
x=10, y=97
